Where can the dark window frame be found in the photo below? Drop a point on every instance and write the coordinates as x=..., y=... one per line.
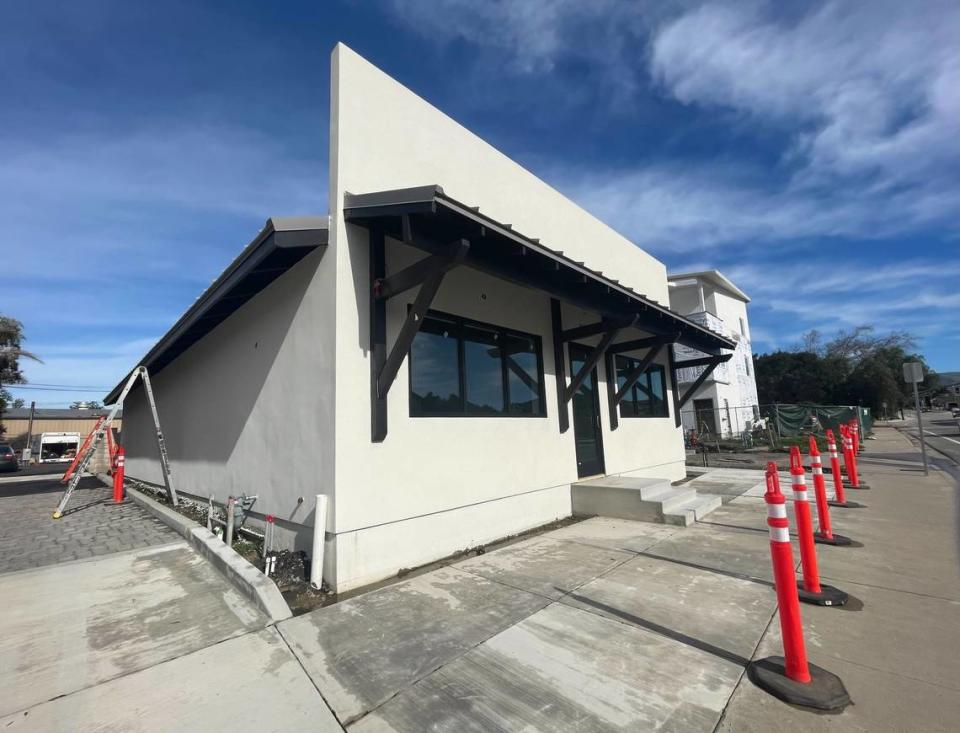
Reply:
x=461, y=324
x=628, y=407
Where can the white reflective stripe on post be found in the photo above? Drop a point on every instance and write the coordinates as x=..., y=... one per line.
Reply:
x=779, y=534
x=777, y=511
x=799, y=488
x=817, y=469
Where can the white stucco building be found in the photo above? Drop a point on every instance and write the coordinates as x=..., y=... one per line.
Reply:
x=437, y=355
x=726, y=402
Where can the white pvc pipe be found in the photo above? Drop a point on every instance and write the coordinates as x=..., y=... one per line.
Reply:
x=319, y=536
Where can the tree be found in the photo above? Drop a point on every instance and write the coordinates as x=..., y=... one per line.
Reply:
x=17, y=403
x=855, y=367
x=11, y=351
x=785, y=376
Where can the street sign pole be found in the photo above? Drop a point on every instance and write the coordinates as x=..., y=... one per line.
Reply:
x=913, y=372
x=923, y=441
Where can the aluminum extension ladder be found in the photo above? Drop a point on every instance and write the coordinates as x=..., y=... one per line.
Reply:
x=101, y=431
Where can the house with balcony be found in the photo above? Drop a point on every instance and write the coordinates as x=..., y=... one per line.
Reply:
x=725, y=403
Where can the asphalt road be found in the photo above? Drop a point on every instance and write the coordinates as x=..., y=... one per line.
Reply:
x=942, y=433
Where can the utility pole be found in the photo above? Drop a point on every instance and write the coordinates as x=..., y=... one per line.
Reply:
x=28, y=448
x=913, y=372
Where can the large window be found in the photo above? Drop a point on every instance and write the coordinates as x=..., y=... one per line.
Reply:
x=465, y=368
x=646, y=397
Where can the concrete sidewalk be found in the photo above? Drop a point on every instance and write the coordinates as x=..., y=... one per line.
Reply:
x=615, y=625
x=118, y=624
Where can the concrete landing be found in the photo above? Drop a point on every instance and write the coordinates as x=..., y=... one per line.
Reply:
x=641, y=499
x=69, y=626
x=564, y=669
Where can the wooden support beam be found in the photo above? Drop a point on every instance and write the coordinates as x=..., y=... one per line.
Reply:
x=674, y=389
x=415, y=315
x=717, y=361
x=638, y=344
x=610, y=366
x=705, y=361
x=559, y=364
x=590, y=329
x=410, y=277
x=383, y=365
x=378, y=336
x=598, y=351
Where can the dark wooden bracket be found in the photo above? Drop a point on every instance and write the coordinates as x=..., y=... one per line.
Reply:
x=559, y=364
x=705, y=361
x=428, y=274
x=412, y=276
x=674, y=387
x=711, y=363
x=614, y=395
x=592, y=329
x=637, y=344
x=595, y=356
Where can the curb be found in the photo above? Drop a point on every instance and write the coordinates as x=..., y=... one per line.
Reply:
x=253, y=584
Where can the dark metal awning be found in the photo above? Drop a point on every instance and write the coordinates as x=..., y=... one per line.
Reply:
x=426, y=218
x=454, y=234
x=282, y=243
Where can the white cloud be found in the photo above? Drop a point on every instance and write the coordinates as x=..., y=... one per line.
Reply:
x=870, y=88
x=864, y=95
x=829, y=293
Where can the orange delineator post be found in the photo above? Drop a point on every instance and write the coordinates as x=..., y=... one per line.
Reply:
x=83, y=449
x=812, y=591
x=785, y=580
x=855, y=432
x=820, y=491
x=835, y=467
x=118, y=476
x=801, y=510
x=849, y=459
x=791, y=678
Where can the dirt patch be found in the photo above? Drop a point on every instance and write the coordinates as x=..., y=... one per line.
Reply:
x=289, y=570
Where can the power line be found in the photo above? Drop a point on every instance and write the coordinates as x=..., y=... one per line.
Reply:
x=98, y=390
x=71, y=386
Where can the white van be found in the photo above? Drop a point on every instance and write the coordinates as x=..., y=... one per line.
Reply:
x=55, y=447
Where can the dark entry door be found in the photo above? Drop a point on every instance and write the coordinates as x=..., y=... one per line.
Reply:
x=586, y=417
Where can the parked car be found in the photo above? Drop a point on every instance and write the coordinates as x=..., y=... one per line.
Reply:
x=955, y=411
x=8, y=458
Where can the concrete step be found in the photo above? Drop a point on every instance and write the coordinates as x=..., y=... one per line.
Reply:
x=641, y=499
x=692, y=511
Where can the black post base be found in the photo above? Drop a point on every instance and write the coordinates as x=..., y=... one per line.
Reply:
x=828, y=595
x=847, y=505
x=825, y=691
x=837, y=540
x=851, y=487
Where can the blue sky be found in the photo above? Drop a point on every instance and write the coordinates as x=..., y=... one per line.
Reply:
x=808, y=150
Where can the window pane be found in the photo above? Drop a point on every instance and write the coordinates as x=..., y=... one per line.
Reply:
x=484, y=371
x=523, y=374
x=646, y=397
x=434, y=370
x=641, y=394
x=658, y=389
